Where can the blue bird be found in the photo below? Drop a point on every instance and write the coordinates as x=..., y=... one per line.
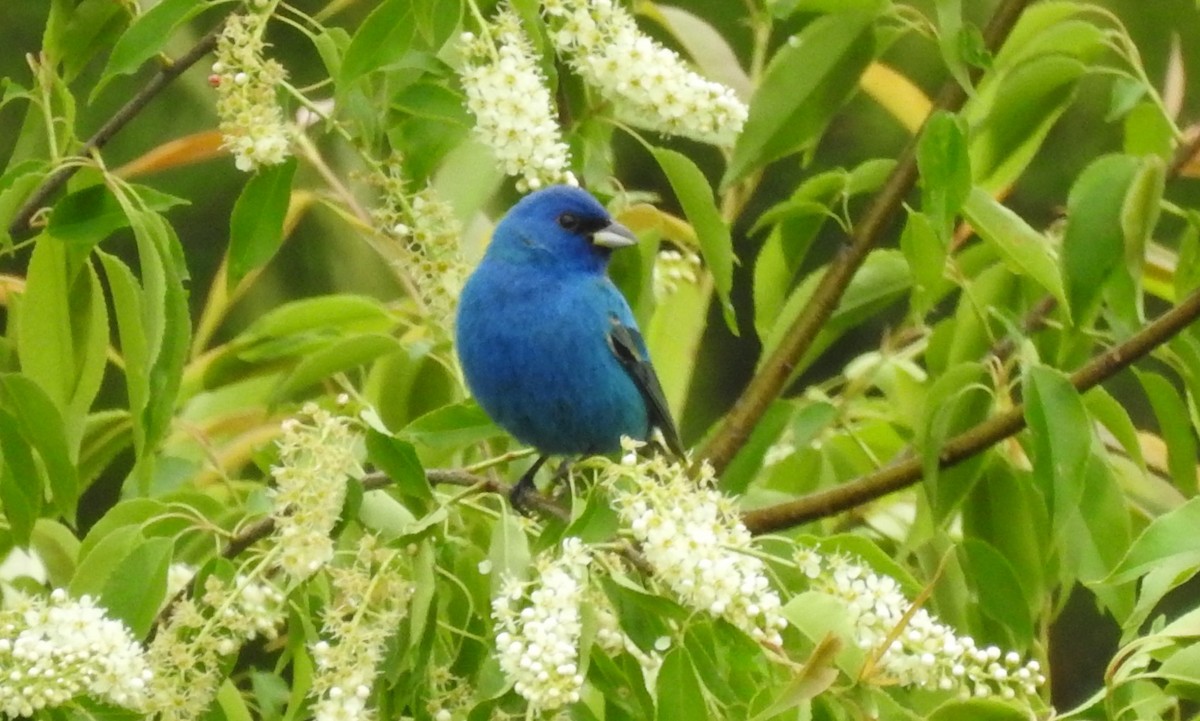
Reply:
x=547, y=343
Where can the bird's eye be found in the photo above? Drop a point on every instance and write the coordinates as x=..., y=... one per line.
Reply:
x=569, y=221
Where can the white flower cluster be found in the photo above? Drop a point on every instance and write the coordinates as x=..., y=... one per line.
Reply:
x=316, y=457
x=369, y=600
x=53, y=650
x=649, y=85
x=514, y=113
x=538, y=645
x=429, y=232
x=251, y=120
x=673, y=268
x=926, y=653
x=190, y=650
x=695, y=541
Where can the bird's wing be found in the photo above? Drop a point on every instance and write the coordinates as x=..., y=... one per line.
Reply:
x=629, y=348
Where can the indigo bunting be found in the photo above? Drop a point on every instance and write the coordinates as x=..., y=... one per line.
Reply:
x=547, y=343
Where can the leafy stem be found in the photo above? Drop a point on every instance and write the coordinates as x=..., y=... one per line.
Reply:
x=55, y=181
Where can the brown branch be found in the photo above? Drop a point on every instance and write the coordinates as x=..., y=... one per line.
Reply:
x=56, y=180
x=907, y=471
x=977, y=439
x=769, y=382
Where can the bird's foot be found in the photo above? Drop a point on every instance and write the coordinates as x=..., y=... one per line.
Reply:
x=519, y=495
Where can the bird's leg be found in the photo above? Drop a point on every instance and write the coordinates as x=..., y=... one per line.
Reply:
x=525, y=486
x=561, y=474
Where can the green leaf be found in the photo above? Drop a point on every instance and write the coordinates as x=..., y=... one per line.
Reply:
x=41, y=425
x=978, y=710
x=86, y=217
x=1170, y=538
x=45, y=344
x=127, y=300
x=20, y=482
x=699, y=205
x=1149, y=132
x=340, y=355
x=383, y=38
x=343, y=312
x=89, y=326
x=256, y=227
x=951, y=33
x=18, y=182
x=145, y=37
x=1093, y=242
x=673, y=337
x=81, y=32
x=508, y=552
x=138, y=584
x=398, y=459
x=1002, y=595
x=1172, y=417
x=882, y=280
x=784, y=8
x=796, y=222
x=926, y=256
x=819, y=615
x=391, y=519
x=1061, y=431
x=1106, y=409
x=1097, y=535
x=1024, y=249
x=58, y=548
x=945, y=170
x=167, y=322
x=957, y=399
x=452, y=426
x=679, y=693
x=98, y=561
x=807, y=81
x=1011, y=117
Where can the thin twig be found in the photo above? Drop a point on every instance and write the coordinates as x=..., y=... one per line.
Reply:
x=56, y=180
x=771, y=379
x=977, y=439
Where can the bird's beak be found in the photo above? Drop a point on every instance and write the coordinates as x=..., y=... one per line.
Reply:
x=614, y=235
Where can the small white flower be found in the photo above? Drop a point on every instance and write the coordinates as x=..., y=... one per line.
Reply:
x=537, y=646
x=252, y=121
x=315, y=461
x=54, y=649
x=696, y=543
x=427, y=233
x=927, y=653
x=514, y=113
x=674, y=268
x=649, y=85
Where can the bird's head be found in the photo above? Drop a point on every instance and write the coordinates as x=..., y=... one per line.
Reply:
x=562, y=226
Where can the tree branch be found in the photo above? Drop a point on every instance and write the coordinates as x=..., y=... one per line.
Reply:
x=56, y=180
x=769, y=382
x=975, y=440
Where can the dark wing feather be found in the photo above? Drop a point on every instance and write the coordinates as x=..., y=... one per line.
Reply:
x=629, y=348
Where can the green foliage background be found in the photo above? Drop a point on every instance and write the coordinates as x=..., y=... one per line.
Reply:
x=1055, y=216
